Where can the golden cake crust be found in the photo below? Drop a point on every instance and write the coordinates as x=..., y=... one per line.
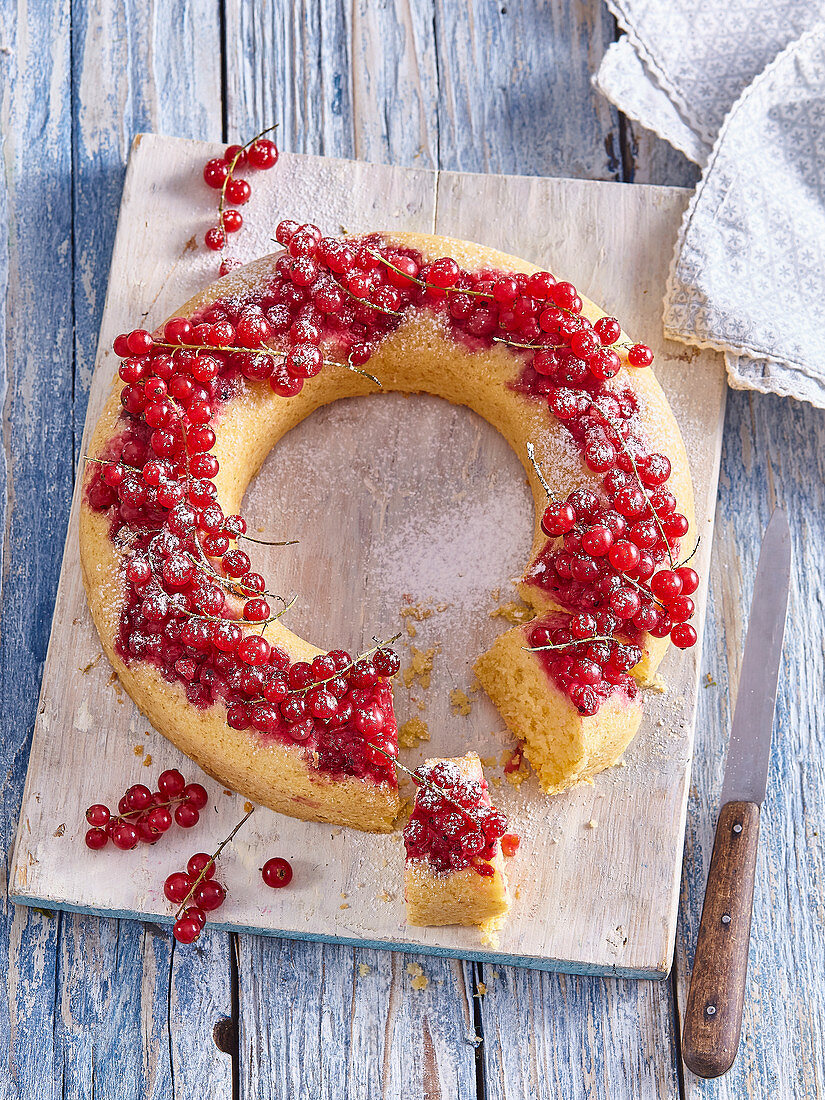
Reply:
x=419, y=356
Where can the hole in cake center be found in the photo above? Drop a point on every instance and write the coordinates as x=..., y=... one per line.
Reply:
x=412, y=515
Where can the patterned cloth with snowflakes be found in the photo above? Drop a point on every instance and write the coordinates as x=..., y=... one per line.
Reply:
x=739, y=87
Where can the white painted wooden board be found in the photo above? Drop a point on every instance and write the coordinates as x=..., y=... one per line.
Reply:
x=391, y=498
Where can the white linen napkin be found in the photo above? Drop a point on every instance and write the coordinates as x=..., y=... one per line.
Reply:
x=739, y=87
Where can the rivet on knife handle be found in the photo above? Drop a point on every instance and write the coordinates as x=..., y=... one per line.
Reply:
x=713, y=1016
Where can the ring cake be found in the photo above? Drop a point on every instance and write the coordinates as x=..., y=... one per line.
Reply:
x=199, y=643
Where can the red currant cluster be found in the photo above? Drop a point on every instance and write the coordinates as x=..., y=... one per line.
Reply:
x=192, y=597
x=453, y=825
x=221, y=173
x=583, y=658
x=197, y=892
x=144, y=816
x=603, y=554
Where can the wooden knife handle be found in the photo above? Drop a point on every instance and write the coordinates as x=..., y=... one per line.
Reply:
x=713, y=1016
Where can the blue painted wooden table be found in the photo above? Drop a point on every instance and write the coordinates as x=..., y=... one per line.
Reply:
x=107, y=1009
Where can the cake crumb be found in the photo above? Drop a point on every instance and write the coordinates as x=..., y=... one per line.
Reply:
x=420, y=667
x=460, y=702
x=92, y=664
x=481, y=989
x=489, y=762
x=657, y=684
x=364, y=969
x=412, y=630
x=415, y=612
x=344, y=905
x=516, y=768
x=496, y=781
x=515, y=613
x=343, y=895
x=419, y=978
x=709, y=681
x=147, y=760
x=592, y=824
x=384, y=896
x=412, y=733
x=138, y=750
x=60, y=830
x=248, y=807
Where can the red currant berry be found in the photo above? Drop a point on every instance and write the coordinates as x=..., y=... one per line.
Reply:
x=209, y=895
x=681, y=608
x=229, y=263
x=196, y=795
x=665, y=585
x=262, y=153
x=177, y=331
x=683, y=636
x=624, y=555
x=171, y=783
x=98, y=815
x=640, y=355
x=387, y=662
x=232, y=221
x=215, y=172
x=199, y=862
x=597, y=541
x=96, y=839
x=186, y=815
x=559, y=518
x=235, y=154
x=237, y=192
x=214, y=238
x=177, y=886
x=277, y=872
x=139, y=797
x=125, y=836
x=254, y=650
x=186, y=929
x=159, y=820
x=608, y=329
x=195, y=913
x=689, y=578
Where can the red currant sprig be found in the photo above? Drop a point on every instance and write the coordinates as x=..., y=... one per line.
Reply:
x=220, y=173
x=195, y=891
x=144, y=816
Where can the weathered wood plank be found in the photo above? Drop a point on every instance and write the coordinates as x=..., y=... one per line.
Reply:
x=70, y=1028
x=554, y=1035
x=514, y=92
x=338, y=1023
x=35, y=268
x=166, y=1001
x=773, y=455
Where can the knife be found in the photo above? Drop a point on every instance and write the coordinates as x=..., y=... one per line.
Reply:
x=713, y=1015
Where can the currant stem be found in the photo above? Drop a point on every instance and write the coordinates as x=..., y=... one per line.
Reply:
x=572, y=642
x=531, y=454
x=367, y=653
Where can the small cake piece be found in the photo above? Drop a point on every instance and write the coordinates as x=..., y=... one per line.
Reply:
x=455, y=869
x=574, y=705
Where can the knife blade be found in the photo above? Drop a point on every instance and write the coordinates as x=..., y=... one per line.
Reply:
x=713, y=1014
